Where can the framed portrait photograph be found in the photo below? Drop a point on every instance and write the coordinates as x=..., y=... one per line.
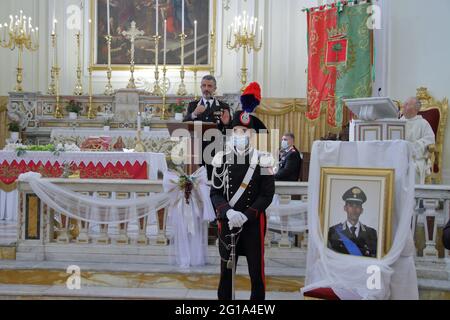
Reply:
x=150, y=17
x=356, y=206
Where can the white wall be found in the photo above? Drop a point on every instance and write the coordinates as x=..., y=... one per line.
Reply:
x=419, y=53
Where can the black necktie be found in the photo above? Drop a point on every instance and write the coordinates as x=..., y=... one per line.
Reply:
x=208, y=105
x=353, y=229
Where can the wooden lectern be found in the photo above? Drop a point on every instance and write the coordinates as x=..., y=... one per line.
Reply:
x=195, y=130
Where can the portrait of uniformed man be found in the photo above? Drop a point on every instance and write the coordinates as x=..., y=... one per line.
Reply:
x=352, y=236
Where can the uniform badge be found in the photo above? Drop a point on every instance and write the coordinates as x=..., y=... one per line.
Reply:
x=245, y=118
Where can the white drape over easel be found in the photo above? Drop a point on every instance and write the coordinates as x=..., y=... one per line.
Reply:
x=189, y=222
x=345, y=274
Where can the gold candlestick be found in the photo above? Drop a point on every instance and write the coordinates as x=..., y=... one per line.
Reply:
x=54, y=73
x=182, y=88
x=156, y=88
x=78, y=91
x=58, y=114
x=132, y=34
x=139, y=147
x=245, y=38
x=164, y=89
x=109, y=88
x=213, y=53
x=91, y=112
x=21, y=35
x=195, y=69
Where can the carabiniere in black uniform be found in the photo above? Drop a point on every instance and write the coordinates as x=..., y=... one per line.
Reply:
x=230, y=168
x=253, y=203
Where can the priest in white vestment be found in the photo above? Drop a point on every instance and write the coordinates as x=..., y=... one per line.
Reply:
x=421, y=135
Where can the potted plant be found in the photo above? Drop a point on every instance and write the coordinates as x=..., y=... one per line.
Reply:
x=146, y=122
x=107, y=123
x=178, y=108
x=14, y=129
x=74, y=108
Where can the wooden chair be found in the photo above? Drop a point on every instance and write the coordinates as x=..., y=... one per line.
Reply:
x=436, y=113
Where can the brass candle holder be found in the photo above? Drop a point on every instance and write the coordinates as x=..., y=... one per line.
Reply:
x=245, y=38
x=182, y=88
x=164, y=89
x=78, y=91
x=156, y=88
x=92, y=114
x=54, y=73
x=20, y=34
x=109, y=91
x=195, y=70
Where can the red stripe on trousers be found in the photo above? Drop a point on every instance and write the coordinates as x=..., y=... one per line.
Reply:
x=262, y=226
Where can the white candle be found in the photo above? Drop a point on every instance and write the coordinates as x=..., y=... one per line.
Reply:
x=139, y=121
x=108, y=17
x=165, y=40
x=37, y=34
x=157, y=16
x=21, y=16
x=11, y=22
x=195, y=42
x=90, y=54
x=54, y=15
x=24, y=24
x=182, y=16
x=54, y=26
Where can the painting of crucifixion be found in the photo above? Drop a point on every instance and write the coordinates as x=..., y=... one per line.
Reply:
x=143, y=12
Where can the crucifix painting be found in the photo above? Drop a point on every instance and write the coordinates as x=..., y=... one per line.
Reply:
x=143, y=12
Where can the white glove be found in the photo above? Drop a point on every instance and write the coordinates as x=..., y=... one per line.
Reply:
x=236, y=219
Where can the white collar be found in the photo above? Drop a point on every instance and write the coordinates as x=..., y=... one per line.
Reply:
x=211, y=101
x=417, y=117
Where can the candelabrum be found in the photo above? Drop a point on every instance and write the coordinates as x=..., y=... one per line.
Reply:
x=19, y=34
x=164, y=89
x=213, y=52
x=54, y=73
x=139, y=147
x=182, y=88
x=195, y=70
x=156, y=88
x=109, y=88
x=91, y=111
x=78, y=91
x=245, y=38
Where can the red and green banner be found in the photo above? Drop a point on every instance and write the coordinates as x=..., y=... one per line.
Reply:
x=340, y=59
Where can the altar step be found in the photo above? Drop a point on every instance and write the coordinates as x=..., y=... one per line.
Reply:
x=292, y=258
x=46, y=280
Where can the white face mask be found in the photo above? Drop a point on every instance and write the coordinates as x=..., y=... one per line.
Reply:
x=241, y=142
x=284, y=144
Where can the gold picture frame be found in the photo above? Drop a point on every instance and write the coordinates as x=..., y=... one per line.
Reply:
x=372, y=189
x=211, y=42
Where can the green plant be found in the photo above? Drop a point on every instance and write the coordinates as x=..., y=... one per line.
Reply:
x=74, y=106
x=179, y=106
x=14, y=126
x=107, y=121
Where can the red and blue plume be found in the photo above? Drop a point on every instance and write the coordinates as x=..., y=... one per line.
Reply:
x=251, y=97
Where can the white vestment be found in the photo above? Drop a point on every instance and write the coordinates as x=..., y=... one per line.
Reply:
x=421, y=135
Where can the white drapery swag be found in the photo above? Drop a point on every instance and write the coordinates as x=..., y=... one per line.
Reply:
x=91, y=209
x=348, y=275
x=189, y=222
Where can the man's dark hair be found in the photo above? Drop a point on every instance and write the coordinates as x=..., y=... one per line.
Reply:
x=209, y=77
x=290, y=134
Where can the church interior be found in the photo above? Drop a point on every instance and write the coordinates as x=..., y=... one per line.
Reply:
x=104, y=109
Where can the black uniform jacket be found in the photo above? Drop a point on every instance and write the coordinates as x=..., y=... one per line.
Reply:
x=290, y=163
x=256, y=198
x=366, y=240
